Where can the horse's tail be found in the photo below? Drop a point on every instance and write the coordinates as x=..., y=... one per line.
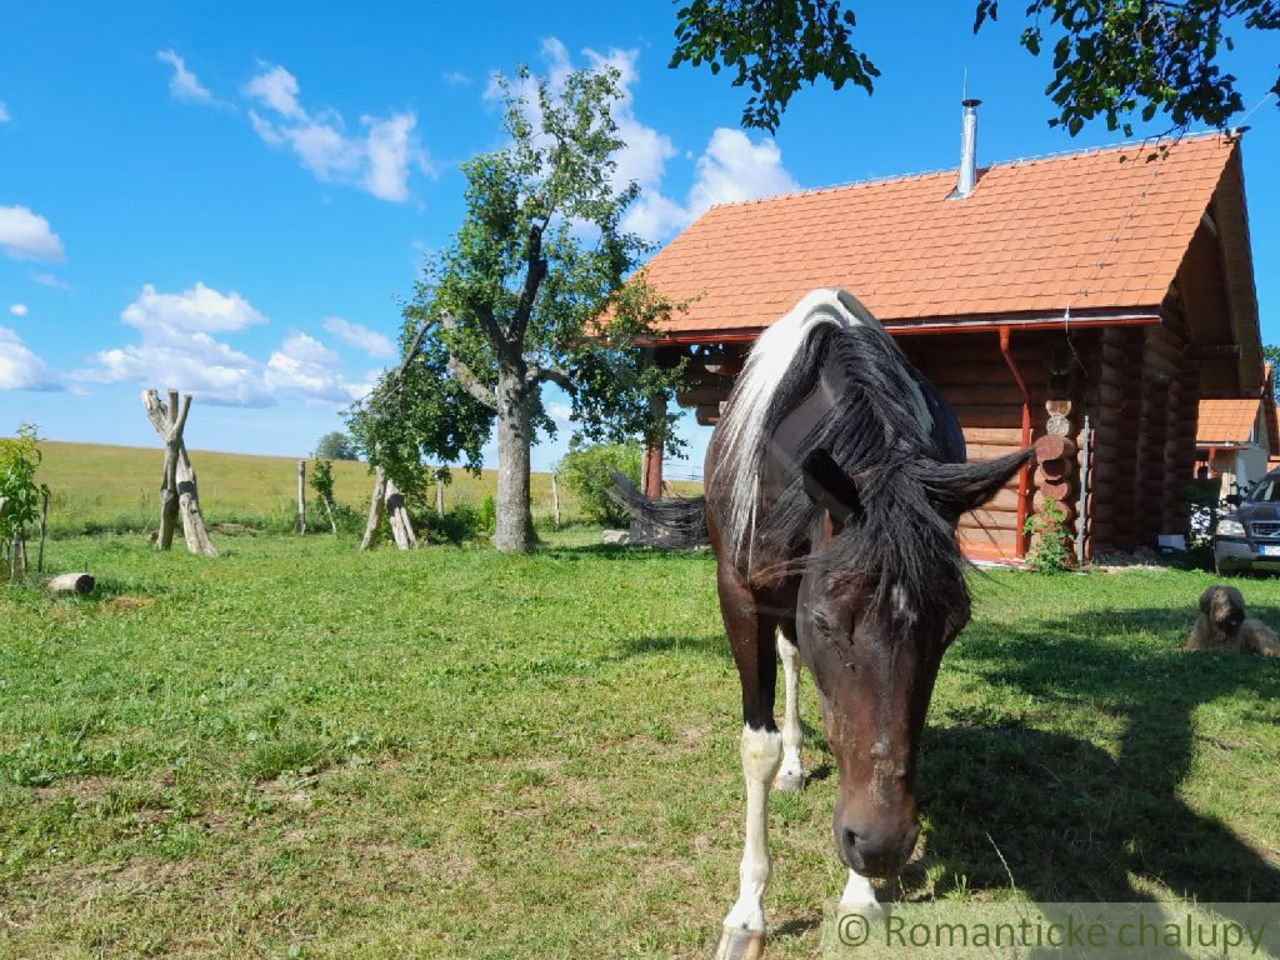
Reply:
x=679, y=522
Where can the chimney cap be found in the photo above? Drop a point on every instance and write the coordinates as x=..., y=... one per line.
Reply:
x=970, y=103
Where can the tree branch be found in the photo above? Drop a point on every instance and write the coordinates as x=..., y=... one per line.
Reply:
x=535, y=271
x=556, y=375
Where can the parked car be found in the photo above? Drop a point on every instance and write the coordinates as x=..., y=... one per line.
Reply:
x=1248, y=537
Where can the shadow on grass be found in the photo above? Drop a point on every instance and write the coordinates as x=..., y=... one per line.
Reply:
x=1073, y=822
x=709, y=645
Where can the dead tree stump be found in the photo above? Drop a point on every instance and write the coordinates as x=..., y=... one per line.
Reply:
x=179, y=496
x=387, y=501
x=377, y=509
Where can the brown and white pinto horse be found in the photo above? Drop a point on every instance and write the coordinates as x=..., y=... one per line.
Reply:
x=835, y=480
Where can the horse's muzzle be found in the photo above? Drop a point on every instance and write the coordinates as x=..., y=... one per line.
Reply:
x=877, y=852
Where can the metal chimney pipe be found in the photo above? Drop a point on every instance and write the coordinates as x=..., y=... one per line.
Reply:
x=968, y=175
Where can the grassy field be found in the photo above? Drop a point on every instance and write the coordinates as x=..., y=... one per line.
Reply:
x=98, y=488
x=297, y=750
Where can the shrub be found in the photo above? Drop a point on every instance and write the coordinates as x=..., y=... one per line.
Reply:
x=1050, y=549
x=19, y=459
x=587, y=472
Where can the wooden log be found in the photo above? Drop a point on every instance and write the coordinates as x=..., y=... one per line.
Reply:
x=1056, y=469
x=178, y=492
x=555, y=499
x=708, y=415
x=699, y=396
x=70, y=583
x=1001, y=396
x=1000, y=436
x=194, y=529
x=377, y=509
x=1058, y=408
x=1059, y=426
x=398, y=517
x=991, y=415
x=1054, y=447
x=1058, y=489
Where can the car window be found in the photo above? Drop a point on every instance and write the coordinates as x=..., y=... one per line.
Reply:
x=1267, y=491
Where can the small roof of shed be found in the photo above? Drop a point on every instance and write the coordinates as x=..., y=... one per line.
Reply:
x=1100, y=231
x=1226, y=422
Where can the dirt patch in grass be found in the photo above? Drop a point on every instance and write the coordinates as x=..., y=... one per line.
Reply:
x=83, y=790
x=125, y=604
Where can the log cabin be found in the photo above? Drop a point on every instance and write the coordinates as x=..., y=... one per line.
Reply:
x=1108, y=287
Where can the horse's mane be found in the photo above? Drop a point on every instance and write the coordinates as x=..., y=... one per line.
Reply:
x=877, y=429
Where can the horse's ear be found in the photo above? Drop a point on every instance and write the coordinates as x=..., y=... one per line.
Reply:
x=831, y=488
x=956, y=488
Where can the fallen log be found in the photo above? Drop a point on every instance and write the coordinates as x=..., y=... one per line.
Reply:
x=70, y=583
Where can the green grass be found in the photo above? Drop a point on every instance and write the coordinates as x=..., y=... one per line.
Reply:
x=298, y=750
x=97, y=488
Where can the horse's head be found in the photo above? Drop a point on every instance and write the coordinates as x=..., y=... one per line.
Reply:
x=873, y=637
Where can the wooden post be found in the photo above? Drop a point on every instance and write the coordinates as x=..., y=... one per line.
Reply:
x=377, y=506
x=178, y=491
x=328, y=508
x=555, y=499
x=398, y=515
x=302, y=496
x=439, y=496
x=44, y=522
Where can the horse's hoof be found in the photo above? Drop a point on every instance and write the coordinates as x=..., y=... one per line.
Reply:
x=738, y=944
x=789, y=782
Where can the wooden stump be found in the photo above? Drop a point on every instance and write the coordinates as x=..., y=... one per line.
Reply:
x=377, y=509
x=179, y=496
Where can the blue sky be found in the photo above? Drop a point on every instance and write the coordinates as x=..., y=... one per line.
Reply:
x=232, y=197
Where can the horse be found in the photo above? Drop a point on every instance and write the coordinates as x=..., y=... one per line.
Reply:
x=835, y=479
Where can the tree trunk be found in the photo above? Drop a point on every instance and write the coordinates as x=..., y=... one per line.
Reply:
x=377, y=504
x=193, y=526
x=398, y=515
x=515, y=519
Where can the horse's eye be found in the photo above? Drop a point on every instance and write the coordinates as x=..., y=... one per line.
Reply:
x=823, y=624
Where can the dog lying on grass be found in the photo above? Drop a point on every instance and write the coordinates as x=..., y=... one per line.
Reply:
x=1222, y=625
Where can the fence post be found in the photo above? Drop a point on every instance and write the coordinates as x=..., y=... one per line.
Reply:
x=439, y=497
x=555, y=498
x=302, y=496
x=44, y=522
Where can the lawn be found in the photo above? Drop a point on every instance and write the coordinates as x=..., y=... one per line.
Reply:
x=96, y=488
x=296, y=750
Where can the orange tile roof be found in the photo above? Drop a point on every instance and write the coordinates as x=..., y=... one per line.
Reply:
x=1226, y=421
x=1084, y=229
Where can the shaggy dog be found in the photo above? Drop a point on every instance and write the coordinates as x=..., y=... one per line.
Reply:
x=1223, y=625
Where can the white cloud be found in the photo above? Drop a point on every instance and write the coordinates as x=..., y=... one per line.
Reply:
x=305, y=367
x=25, y=235
x=20, y=369
x=175, y=347
x=456, y=78
x=378, y=162
x=4, y=113
x=52, y=282
x=732, y=168
x=198, y=310
x=371, y=342
x=18, y=309
x=183, y=85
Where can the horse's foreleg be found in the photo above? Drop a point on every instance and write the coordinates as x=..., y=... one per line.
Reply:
x=858, y=892
x=791, y=773
x=751, y=631
x=743, y=935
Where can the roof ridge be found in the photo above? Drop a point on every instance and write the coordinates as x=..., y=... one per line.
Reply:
x=1019, y=161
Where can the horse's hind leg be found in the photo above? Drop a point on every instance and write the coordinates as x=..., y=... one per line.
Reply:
x=791, y=773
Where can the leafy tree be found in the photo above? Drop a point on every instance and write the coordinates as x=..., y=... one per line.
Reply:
x=1111, y=58
x=336, y=445
x=515, y=300
x=1271, y=354
x=587, y=472
x=20, y=492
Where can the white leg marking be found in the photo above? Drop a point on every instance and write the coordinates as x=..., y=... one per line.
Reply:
x=859, y=893
x=761, y=755
x=791, y=773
